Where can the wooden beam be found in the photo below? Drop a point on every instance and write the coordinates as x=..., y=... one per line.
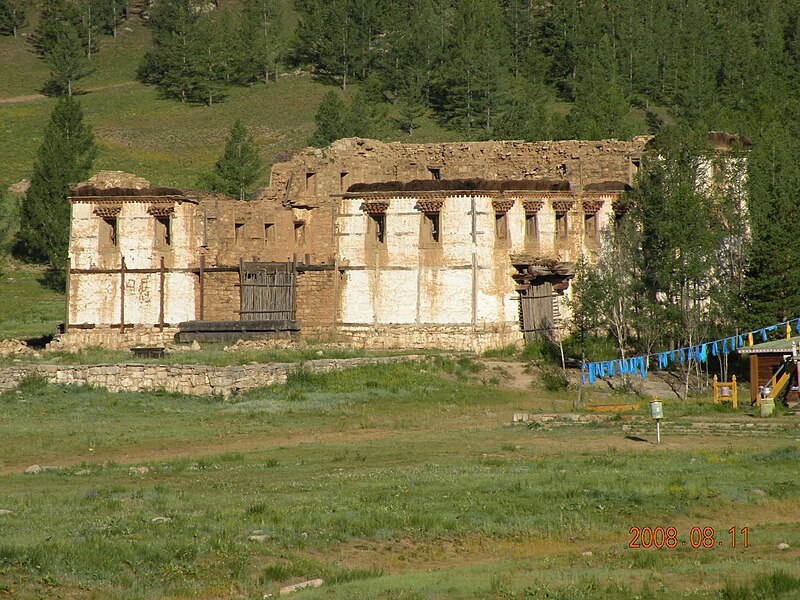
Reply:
x=161, y=296
x=122, y=296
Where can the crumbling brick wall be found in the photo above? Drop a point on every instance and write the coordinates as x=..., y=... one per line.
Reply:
x=316, y=301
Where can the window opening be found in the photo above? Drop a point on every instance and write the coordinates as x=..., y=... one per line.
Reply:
x=562, y=229
x=590, y=225
x=435, y=173
x=501, y=225
x=163, y=232
x=431, y=224
x=269, y=233
x=531, y=226
x=108, y=232
x=377, y=227
x=300, y=232
x=238, y=233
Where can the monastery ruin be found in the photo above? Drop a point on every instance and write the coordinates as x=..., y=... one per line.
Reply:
x=465, y=246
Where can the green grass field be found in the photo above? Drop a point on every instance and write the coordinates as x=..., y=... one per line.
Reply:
x=401, y=481
x=27, y=308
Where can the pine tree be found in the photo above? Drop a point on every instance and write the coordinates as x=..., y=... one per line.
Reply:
x=772, y=283
x=601, y=108
x=330, y=119
x=56, y=16
x=261, y=41
x=170, y=62
x=67, y=60
x=474, y=77
x=63, y=159
x=12, y=16
x=240, y=165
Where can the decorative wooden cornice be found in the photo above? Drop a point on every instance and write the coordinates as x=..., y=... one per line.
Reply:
x=114, y=200
x=375, y=207
x=524, y=195
x=160, y=210
x=532, y=206
x=502, y=206
x=590, y=207
x=429, y=205
x=563, y=206
x=107, y=211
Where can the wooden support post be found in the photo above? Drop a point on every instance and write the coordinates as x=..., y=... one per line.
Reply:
x=241, y=286
x=754, y=382
x=161, y=296
x=293, y=300
x=202, y=284
x=122, y=296
x=66, y=303
x=735, y=393
x=714, y=391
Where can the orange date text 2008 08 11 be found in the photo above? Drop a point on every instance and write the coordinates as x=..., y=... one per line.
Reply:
x=699, y=537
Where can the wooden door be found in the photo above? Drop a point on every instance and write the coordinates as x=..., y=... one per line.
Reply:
x=267, y=292
x=537, y=313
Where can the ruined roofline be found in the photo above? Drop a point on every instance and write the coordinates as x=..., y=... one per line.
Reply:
x=640, y=140
x=461, y=185
x=97, y=192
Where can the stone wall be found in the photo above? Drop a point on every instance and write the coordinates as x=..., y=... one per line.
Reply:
x=105, y=337
x=315, y=302
x=222, y=298
x=311, y=176
x=420, y=336
x=195, y=380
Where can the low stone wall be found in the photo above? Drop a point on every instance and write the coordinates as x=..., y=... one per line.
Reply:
x=76, y=340
x=195, y=380
x=418, y=336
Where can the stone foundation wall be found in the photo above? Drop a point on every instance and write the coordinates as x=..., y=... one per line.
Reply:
x=195, y=380
x=449, y=337
x=105, y=337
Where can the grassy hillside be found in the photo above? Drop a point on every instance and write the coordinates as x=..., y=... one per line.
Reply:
x=138, y=131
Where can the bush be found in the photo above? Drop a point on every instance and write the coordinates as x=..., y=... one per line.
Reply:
x=553, y=379
x=542, y=351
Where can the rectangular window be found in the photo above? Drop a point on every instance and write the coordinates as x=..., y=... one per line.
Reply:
x=344, y=181
x=435, y=173
x=531, y=227
x=311, y=182
x=163, y=231
x=590, y=225
x=269, y=233
x=108, y=232
x=430, y=225
x=300, y=232
x=238, y=233
x=501, y=226
x=562, y=229
x=376, y=227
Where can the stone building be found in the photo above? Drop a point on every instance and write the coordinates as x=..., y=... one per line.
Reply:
x=462, y=245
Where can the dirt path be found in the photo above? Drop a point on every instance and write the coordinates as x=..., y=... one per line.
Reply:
x=35, y=97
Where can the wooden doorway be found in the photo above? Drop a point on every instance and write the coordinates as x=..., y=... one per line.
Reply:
x=267, y=292
x=538, y=311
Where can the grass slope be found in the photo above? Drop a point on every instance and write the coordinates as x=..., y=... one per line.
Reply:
x=27, y=309
x=140, y=132
x=396, y=481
